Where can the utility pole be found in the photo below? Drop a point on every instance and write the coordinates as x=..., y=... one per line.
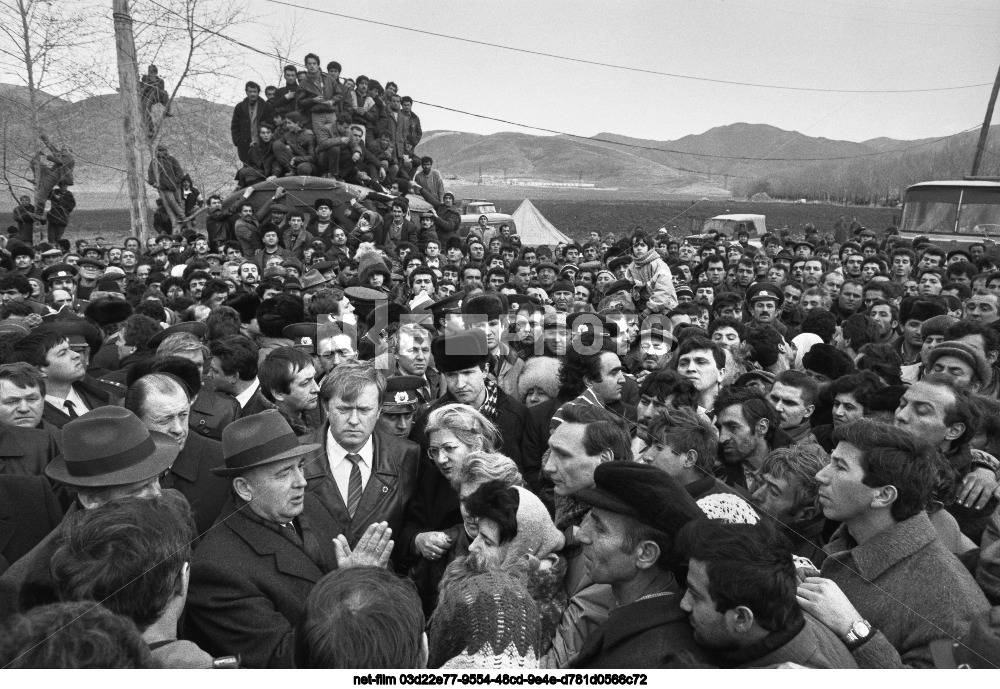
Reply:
x=132, y=122
x=984, y=132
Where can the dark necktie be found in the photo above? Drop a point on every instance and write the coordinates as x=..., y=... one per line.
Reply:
x=70, y=409
x=354, y=484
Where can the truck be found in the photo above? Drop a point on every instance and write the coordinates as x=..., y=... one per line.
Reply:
x=731, y=225
x=473, y=209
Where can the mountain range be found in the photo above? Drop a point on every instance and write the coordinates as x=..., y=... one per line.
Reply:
x=713, y=163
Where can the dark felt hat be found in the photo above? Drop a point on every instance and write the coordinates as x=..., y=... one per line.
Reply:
x=93, y=262
x=313, y=278
x=110, y=446
x=196, y=328
x=459, y=351
x=257, y=440
x=642, y=492
x=547, y=265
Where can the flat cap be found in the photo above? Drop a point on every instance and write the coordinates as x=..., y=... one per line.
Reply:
x=643, y=492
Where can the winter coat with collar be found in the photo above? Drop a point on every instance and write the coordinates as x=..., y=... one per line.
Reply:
x=651, y=633
x=908, y=586
x=807, y=643
x=249, y=584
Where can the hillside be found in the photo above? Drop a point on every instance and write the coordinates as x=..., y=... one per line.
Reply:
x=199, y=136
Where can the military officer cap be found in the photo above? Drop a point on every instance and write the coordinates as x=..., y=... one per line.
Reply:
x=59, y=271
x=401, y=394
x=763, y=291
x=302, y=335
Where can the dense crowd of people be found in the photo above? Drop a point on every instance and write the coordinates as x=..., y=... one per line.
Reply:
x=347, y=437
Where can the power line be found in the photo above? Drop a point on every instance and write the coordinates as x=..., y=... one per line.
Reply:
x=595, y=139
x=698, y=155
x=623, y=67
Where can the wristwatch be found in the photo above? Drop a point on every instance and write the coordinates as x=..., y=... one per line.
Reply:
x=860, y=632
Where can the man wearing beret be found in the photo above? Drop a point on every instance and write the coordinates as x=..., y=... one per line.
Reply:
x=628, y=542
x=274, y=540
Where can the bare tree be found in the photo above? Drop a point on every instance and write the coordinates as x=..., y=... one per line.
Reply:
x=286, y=40
x=187, y=40
x=50, y=50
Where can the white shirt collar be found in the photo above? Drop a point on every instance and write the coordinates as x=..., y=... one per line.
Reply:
x=338, y=454
x=244, y=397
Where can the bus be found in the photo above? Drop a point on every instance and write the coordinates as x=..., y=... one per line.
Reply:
x=952, y=214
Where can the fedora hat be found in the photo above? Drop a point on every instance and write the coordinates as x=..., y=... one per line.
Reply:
x=257, y=440
x=110, y=446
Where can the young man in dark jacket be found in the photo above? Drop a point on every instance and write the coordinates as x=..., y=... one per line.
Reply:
x=247, y=118
x=741, y=600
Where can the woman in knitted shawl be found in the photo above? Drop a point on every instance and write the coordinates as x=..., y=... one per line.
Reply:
x=653, y=283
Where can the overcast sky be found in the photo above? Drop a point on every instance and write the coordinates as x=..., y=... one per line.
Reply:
x=831, y=44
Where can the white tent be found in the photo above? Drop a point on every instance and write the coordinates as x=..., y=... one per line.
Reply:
x=534, y=229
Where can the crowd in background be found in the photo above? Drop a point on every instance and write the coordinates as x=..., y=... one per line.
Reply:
x=355, y=434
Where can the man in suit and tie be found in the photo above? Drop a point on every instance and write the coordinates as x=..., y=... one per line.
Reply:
x=273, y=541
x=67, y=395
x=233, y=369
x=363, y=475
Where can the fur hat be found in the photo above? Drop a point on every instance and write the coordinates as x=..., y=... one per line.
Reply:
x=459, y=351
x=936, y=325
x=828, y=361
x=369, y=264
x=920, y=310
x=108, y=311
